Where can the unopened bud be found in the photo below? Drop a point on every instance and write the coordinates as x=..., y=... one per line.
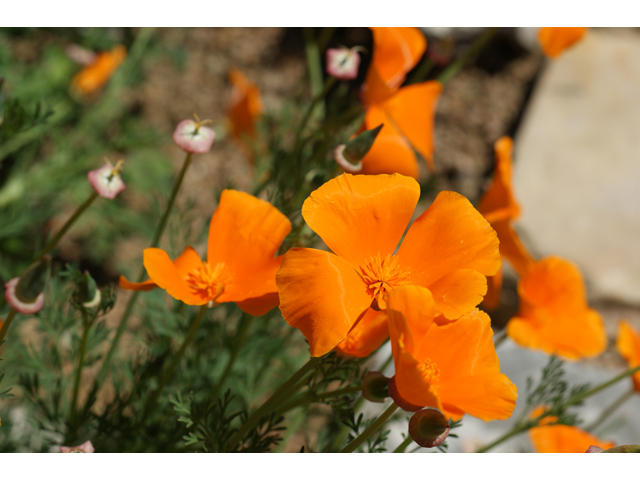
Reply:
x=375, y=387
x=106, y=180
x=401, y=402
x=343, y=62
x=25, y=293
x=350, y=156
x=87, y=291
x=429, y=427
x=594, y=449
x=193, y=137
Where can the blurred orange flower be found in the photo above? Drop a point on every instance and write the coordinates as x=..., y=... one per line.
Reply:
x=407, y=113
x=554, y=315
x=245, y=106
x=499, y=206
x=94, y=76
x=244, y=235
x=628, y=346
x=450, y=366
x=555, y=40
x=449, y=249
x=561, y=438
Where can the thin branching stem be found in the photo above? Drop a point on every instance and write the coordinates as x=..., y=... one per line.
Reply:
x=611, y=409
x=86, y=325
x=375, y=426
x=403, y=446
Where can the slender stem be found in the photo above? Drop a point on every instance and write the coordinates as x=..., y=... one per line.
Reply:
x=317, y=99
x=243, y=329
x=344, y=429
x=76, y=386
x=6, y=324
x=313, y=61
x=421, y=72
x=132, y=300
x=176, y=360
x=506, y=436
x=386, y=362
x=360, y=439
x=325, y=36
x=498, y=338
x=579, y=398
x=269, y=405
x=612, y=408
x=453, y=69
x=403, y=446
x=54, y=241
x=310, y=397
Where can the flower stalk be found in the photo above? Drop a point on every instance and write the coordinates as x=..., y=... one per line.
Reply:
x=403, y=446
x=380, y=421
x=6, y=324
x=86, y=324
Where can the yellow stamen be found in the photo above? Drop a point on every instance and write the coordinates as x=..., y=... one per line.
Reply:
x=200, y=123
x=208, y=282
x=430, y=372
x=384, y=275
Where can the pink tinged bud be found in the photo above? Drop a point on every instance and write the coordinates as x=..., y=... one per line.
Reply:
x=594, y=449
x=343, y=63
x=18, y=305
x=428, y=427
x=86, y=447
x=193, y=137
x=375, y=387
x=80, y=55
x=349, y=167
x=401, y=402
x=106, y=180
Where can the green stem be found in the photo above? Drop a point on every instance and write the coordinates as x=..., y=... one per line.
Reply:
x=499, y=338
x=386, y=362
x=132, y=300
x=317, y=99
x=421, y=72
x=380, y=421
x=579, y=398
x=453, y=69
x=313, y=61
x=54, y=241
x=344, y=429
x=76, y=385
x=310, y=397
x=269, y=405
x=403, y=446
x=176, y=360
x=506, y=436
x=6, y=324
x=243, y=329
x=612, y=408
x=325, y=37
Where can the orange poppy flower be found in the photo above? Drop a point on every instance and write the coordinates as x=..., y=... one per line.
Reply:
x=449, y=249
x=628, y=346
x=94, y=76
x=554, y=316
x=555, y=40
x=498, y=205
x=407, y=113
x=451, y=366
x=245, y=106
x=244, y=235
x=367, y=336
x=562, y=438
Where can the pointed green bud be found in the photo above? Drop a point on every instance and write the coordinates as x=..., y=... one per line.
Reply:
x=87, y=291
x=429, y=427
x=350, y=156
x=375, y=387
x=33, y=280
x=623, y=449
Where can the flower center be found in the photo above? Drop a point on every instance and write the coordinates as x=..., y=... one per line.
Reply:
x=383, y=275
x=207, y=281
x=430, y=372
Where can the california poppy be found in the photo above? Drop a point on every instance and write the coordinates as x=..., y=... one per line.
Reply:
x=244, y=235
x=628, y=346
x=94, y=76
x=499, y=206
x=407, y=113
x=366, y=337
x=561, y=438
x=451, y=366
x=555, y=40
x=449, y=249
x=245, y=106
x=554, y=315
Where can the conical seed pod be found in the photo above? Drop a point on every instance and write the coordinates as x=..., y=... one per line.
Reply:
x=87, y=291
x=375, y=387
x=429, y=427
x=32, y=281
x=350, y=155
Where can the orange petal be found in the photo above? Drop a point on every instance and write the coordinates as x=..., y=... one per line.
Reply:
x=554, y=316
x=375, y=89
x=498, y=202
x=137, y=286
x=412, y=111
x=450, y=235
x=512, y=248
x=494, y=287
x=366, y=337
x=396, y=50
x=391, y=152
x=361, y=216
x=245, y=234
x=322, y=296
x=258, y=306
x=555, y=40
x=458, y=292
x=245, y=105
x=564, y=439
x=94, y=76
x=628, y=346
x=165, y=274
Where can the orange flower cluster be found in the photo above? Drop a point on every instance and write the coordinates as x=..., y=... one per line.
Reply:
x=554, y=315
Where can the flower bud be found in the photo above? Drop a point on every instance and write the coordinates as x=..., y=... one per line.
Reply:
x=594, y=449
x=106, y=180
x=87, y=291
x=375, y=387
x=86, y=447
x=429, y=427
x=401, y=402
x=343, y=62
x=25, y=293
x=350, y=156
x=193, y=137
